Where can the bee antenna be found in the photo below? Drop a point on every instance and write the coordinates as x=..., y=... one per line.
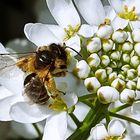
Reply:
x=73, y=50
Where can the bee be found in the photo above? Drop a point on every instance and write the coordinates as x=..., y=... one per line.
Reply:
x=41, y=67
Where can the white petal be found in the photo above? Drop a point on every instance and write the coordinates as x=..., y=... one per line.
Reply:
x=64, y=12
x=13, y=80
x=119, y=23
x=81, y=111
x=117, y=5
x=135, y=127
x=2, y=49
x=57, y=31
x=70, y=99
x=56, y=126
x=87, y=30
x=136, y=107
x=4, y=92
x=6, y=104
x=109, y=12
x=112, y=128
x=99, y=132
x=74, y=42
x=89, y=10
x=40, y=34
x=26, y=113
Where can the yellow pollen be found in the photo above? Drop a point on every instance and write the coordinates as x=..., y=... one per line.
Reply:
x=70, y=31
x=128, y=14
x=58, y=105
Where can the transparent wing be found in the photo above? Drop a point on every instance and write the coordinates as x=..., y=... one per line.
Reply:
x=8, y=68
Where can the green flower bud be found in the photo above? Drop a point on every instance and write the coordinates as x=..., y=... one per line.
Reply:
x=116, y=55
x=94, y=45
x=107, y=45
x=112, y=77
x=135, y=61
x=137, y=48
x=131, y=85
x=93, y=60
x=126, y=58
x=101, y=75
x=105, y=60
x=92, y=84
x=119, y=84
x=120, y=36
x=125, y=68
x=127, y=96
x=131, y=74
x=105, y=31
x=127, y=47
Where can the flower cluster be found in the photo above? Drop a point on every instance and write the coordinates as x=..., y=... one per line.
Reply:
x=103, y=72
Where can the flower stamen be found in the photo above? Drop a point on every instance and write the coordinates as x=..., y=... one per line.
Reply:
x=128, y=14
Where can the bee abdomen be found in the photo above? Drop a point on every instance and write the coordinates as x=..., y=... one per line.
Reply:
x=35, y=90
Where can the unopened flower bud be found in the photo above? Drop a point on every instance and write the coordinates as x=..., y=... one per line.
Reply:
x=119, y=84
x=107, y=45
x=105, y=31
x=121, y=76
x=138, y=84
x=127, y=96
x=94, y=45
x=112, y=77
x=135, y=61
x=101, y=75
x=127, y=47
x=137, y=48
x=120, y=36
x=113, y=64
x=105, y=60
x=92, y=84
x=138, y=70
x=131, y=85
x=109, y=70
x=126, y=58
x=125, y=68
x=136, y=35
x=93, y=60
x=131, y=74
x=116, y=55
x=107, y=94
x=82, y=69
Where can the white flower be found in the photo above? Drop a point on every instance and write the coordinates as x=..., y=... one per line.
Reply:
x=101, y=21
x=100, y=132
x=107, y=94
x=127, y=11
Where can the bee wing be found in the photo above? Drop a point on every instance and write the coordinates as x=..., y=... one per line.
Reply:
x=8, y=68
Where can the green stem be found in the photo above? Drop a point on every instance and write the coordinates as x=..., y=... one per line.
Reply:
x=37, y=130
x=75, y=119
x=88, y=104
x=88, y=96
x=117, y=109
x=124, y=118
x=92, y=118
